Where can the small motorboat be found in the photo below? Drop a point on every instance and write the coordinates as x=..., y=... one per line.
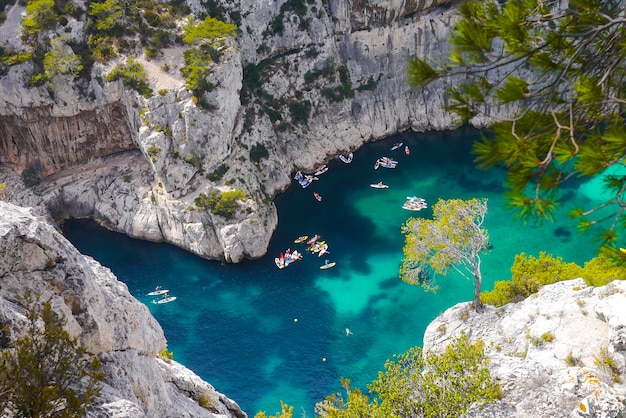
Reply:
x=317, y=196
x=414, y=203
x=321, y=170
x=379, y=185
x=407, y=151
x=386, y=162
x=346, y=158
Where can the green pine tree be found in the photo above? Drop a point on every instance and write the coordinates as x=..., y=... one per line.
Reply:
x=559, y=67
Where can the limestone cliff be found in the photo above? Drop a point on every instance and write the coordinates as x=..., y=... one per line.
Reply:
x=109, y=322
x=331, y=76
x=559, y=353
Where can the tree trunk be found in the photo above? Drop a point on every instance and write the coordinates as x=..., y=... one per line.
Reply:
x=478, y=305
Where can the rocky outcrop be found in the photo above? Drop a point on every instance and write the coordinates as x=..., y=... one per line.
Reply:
x=558, y=353
x=331, y=79
x=110, y=323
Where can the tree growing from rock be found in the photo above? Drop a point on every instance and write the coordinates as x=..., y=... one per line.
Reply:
x=45, y=373
x=559, y=70
x=453, y=239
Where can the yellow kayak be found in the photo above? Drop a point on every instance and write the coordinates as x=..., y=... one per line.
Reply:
x=300, y=239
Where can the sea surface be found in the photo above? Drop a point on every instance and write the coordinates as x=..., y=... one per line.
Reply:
x=260, y=334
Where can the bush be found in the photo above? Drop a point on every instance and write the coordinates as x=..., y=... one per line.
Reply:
x=133, y=75
x=529, y=274
x=40, y=15
x=300, y=111
x=153, y=152
x=30, y=177
x=47, y=373
x=218, y=173
x=605, y=361
x=421, y=384
x=194, y=159
x=258, y=152
x=166, y=355
x=222, y=204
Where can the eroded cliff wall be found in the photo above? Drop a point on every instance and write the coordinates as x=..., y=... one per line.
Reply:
x=331, y=77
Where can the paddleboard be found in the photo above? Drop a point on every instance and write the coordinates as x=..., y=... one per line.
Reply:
x=327, y=266
x=165, y=300
x=158, y=292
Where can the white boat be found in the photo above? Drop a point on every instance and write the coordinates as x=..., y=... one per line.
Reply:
x=321, y=170
x=347, y=159
x=165, y=300
x=379, y=185
x=414, y=203
x=158, y=292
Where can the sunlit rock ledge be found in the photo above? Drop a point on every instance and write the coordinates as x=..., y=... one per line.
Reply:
x=544, y=351
x=109, y=322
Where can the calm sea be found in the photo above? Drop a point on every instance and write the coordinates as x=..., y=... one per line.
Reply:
x=260, y=334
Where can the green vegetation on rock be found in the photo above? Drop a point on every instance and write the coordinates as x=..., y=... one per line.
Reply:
x=45, y=372
x=529, y=274
x=418, y=384
x=222, y=204
x=133, y=75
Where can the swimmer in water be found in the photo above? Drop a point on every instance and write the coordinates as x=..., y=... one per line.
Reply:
x=348, y=332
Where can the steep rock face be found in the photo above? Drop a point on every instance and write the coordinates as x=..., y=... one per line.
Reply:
x=36, y=138
x=109, y=322
x=330, y=80
x=548, y=351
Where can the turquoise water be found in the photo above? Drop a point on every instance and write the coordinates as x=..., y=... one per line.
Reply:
x=260, y=334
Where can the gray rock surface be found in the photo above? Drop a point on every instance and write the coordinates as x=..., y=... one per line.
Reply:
x=545, y=351
x=137, y=164
x=109, y=322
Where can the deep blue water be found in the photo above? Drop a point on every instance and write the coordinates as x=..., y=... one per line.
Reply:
x=260, y=334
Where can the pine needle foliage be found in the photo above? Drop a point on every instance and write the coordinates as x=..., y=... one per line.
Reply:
x=559, y=70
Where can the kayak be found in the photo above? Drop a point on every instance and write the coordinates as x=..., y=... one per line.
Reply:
x=300, y=239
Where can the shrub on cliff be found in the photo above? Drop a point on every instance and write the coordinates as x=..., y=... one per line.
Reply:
x=45, y=373
x=133, y=75
x=528, y=274
x=222, y=204
x=419, y=384
x=40, y=15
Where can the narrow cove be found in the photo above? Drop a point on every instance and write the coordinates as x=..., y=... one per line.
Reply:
x=259, y=334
